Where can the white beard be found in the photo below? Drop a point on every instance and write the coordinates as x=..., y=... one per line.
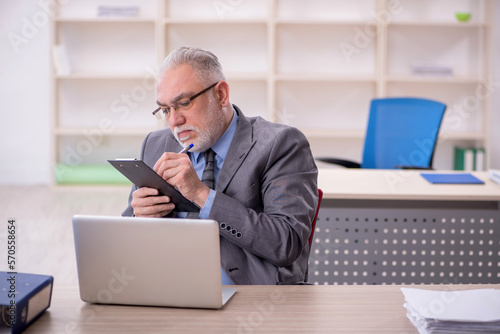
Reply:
x=214, y=127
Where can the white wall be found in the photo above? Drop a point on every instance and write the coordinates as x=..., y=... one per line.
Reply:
x=24, y=94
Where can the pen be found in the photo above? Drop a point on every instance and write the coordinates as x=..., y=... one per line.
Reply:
x=185, y=149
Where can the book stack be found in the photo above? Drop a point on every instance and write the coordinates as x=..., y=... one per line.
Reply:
x=431, y=69
x=469, y=159
x=467, y=311
x=118, y=11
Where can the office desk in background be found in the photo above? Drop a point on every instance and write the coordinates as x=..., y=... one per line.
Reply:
x=253, y=309
x=393, y=226
x=398, y=185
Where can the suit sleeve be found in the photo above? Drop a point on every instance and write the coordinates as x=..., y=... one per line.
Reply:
x=279, y=228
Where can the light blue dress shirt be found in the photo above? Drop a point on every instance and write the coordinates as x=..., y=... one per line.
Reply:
x=221, y=147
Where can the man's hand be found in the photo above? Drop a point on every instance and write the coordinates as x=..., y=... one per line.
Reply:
x=178, y=171
x=147, y=203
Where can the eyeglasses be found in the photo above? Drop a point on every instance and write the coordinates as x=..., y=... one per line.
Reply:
x=181, y=105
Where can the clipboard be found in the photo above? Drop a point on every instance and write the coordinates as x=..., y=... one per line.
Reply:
x=142, y=175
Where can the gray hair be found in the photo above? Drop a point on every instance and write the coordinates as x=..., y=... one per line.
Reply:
x=205, y=63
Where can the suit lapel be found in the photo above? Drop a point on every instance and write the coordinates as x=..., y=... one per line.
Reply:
x=238, y=150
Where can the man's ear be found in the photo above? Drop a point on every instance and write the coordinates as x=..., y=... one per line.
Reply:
x=222, y=90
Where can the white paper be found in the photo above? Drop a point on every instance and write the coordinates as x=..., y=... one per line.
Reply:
x=466, y=305
x=494, y=174
x=466, y=311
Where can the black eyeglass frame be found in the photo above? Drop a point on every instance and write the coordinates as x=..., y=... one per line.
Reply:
x=167, y=108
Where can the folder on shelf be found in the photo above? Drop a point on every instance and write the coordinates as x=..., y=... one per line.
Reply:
x=452, y=178
x=464, y=158
x=469, y=159
x=24, y=298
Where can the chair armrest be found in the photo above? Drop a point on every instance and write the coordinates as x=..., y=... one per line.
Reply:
x=340, y=162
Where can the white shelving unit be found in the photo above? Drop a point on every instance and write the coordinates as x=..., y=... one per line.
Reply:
x=312, y=64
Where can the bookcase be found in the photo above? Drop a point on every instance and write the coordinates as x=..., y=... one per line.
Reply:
x=311, y=64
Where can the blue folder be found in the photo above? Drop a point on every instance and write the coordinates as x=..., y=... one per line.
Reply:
x=23, y=299
x=455, y=178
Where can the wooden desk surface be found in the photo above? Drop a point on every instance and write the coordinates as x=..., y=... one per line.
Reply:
x=253, y=309
x=402, y=185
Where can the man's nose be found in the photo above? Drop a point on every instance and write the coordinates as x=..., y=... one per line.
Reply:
x=176, y=117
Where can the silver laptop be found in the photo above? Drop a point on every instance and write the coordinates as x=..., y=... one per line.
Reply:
x=149, y=261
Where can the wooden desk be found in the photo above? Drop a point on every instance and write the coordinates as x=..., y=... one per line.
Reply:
x=401, y=185
x=253, y=309
x=394, y=227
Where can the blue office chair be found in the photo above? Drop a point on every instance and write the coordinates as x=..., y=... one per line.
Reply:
x=401, y=133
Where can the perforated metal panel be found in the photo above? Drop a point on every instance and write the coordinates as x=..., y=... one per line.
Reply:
x=406, y=242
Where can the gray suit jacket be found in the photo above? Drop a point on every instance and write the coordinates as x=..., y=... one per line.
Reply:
x=266, y=199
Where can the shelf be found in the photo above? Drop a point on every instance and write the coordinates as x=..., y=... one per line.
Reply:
x=117, y=103
x=360, y=134
x=227, y=11
x=437, y=12
x=103, y=75
x=460, y=49
x=105, y=20
x=81, y=131
x=304, y=21
x=298, y=53
x=314, y=64
x=90, y=11
x=242, y=76
x=435, y=24
x=339, y=105
x=462, y=135
x=318, y=77
x=214, y=21
x=334, y=133
x=249, y=58
x=326, y=10
x=433, y=79
x=104, y=46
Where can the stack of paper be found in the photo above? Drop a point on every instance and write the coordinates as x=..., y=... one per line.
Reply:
x=431, y=69
x=118, y=11
x=468, y=311
x=494, y=174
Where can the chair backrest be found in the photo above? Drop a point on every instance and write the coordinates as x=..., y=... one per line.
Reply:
x=402, y=132
x=313, y=225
